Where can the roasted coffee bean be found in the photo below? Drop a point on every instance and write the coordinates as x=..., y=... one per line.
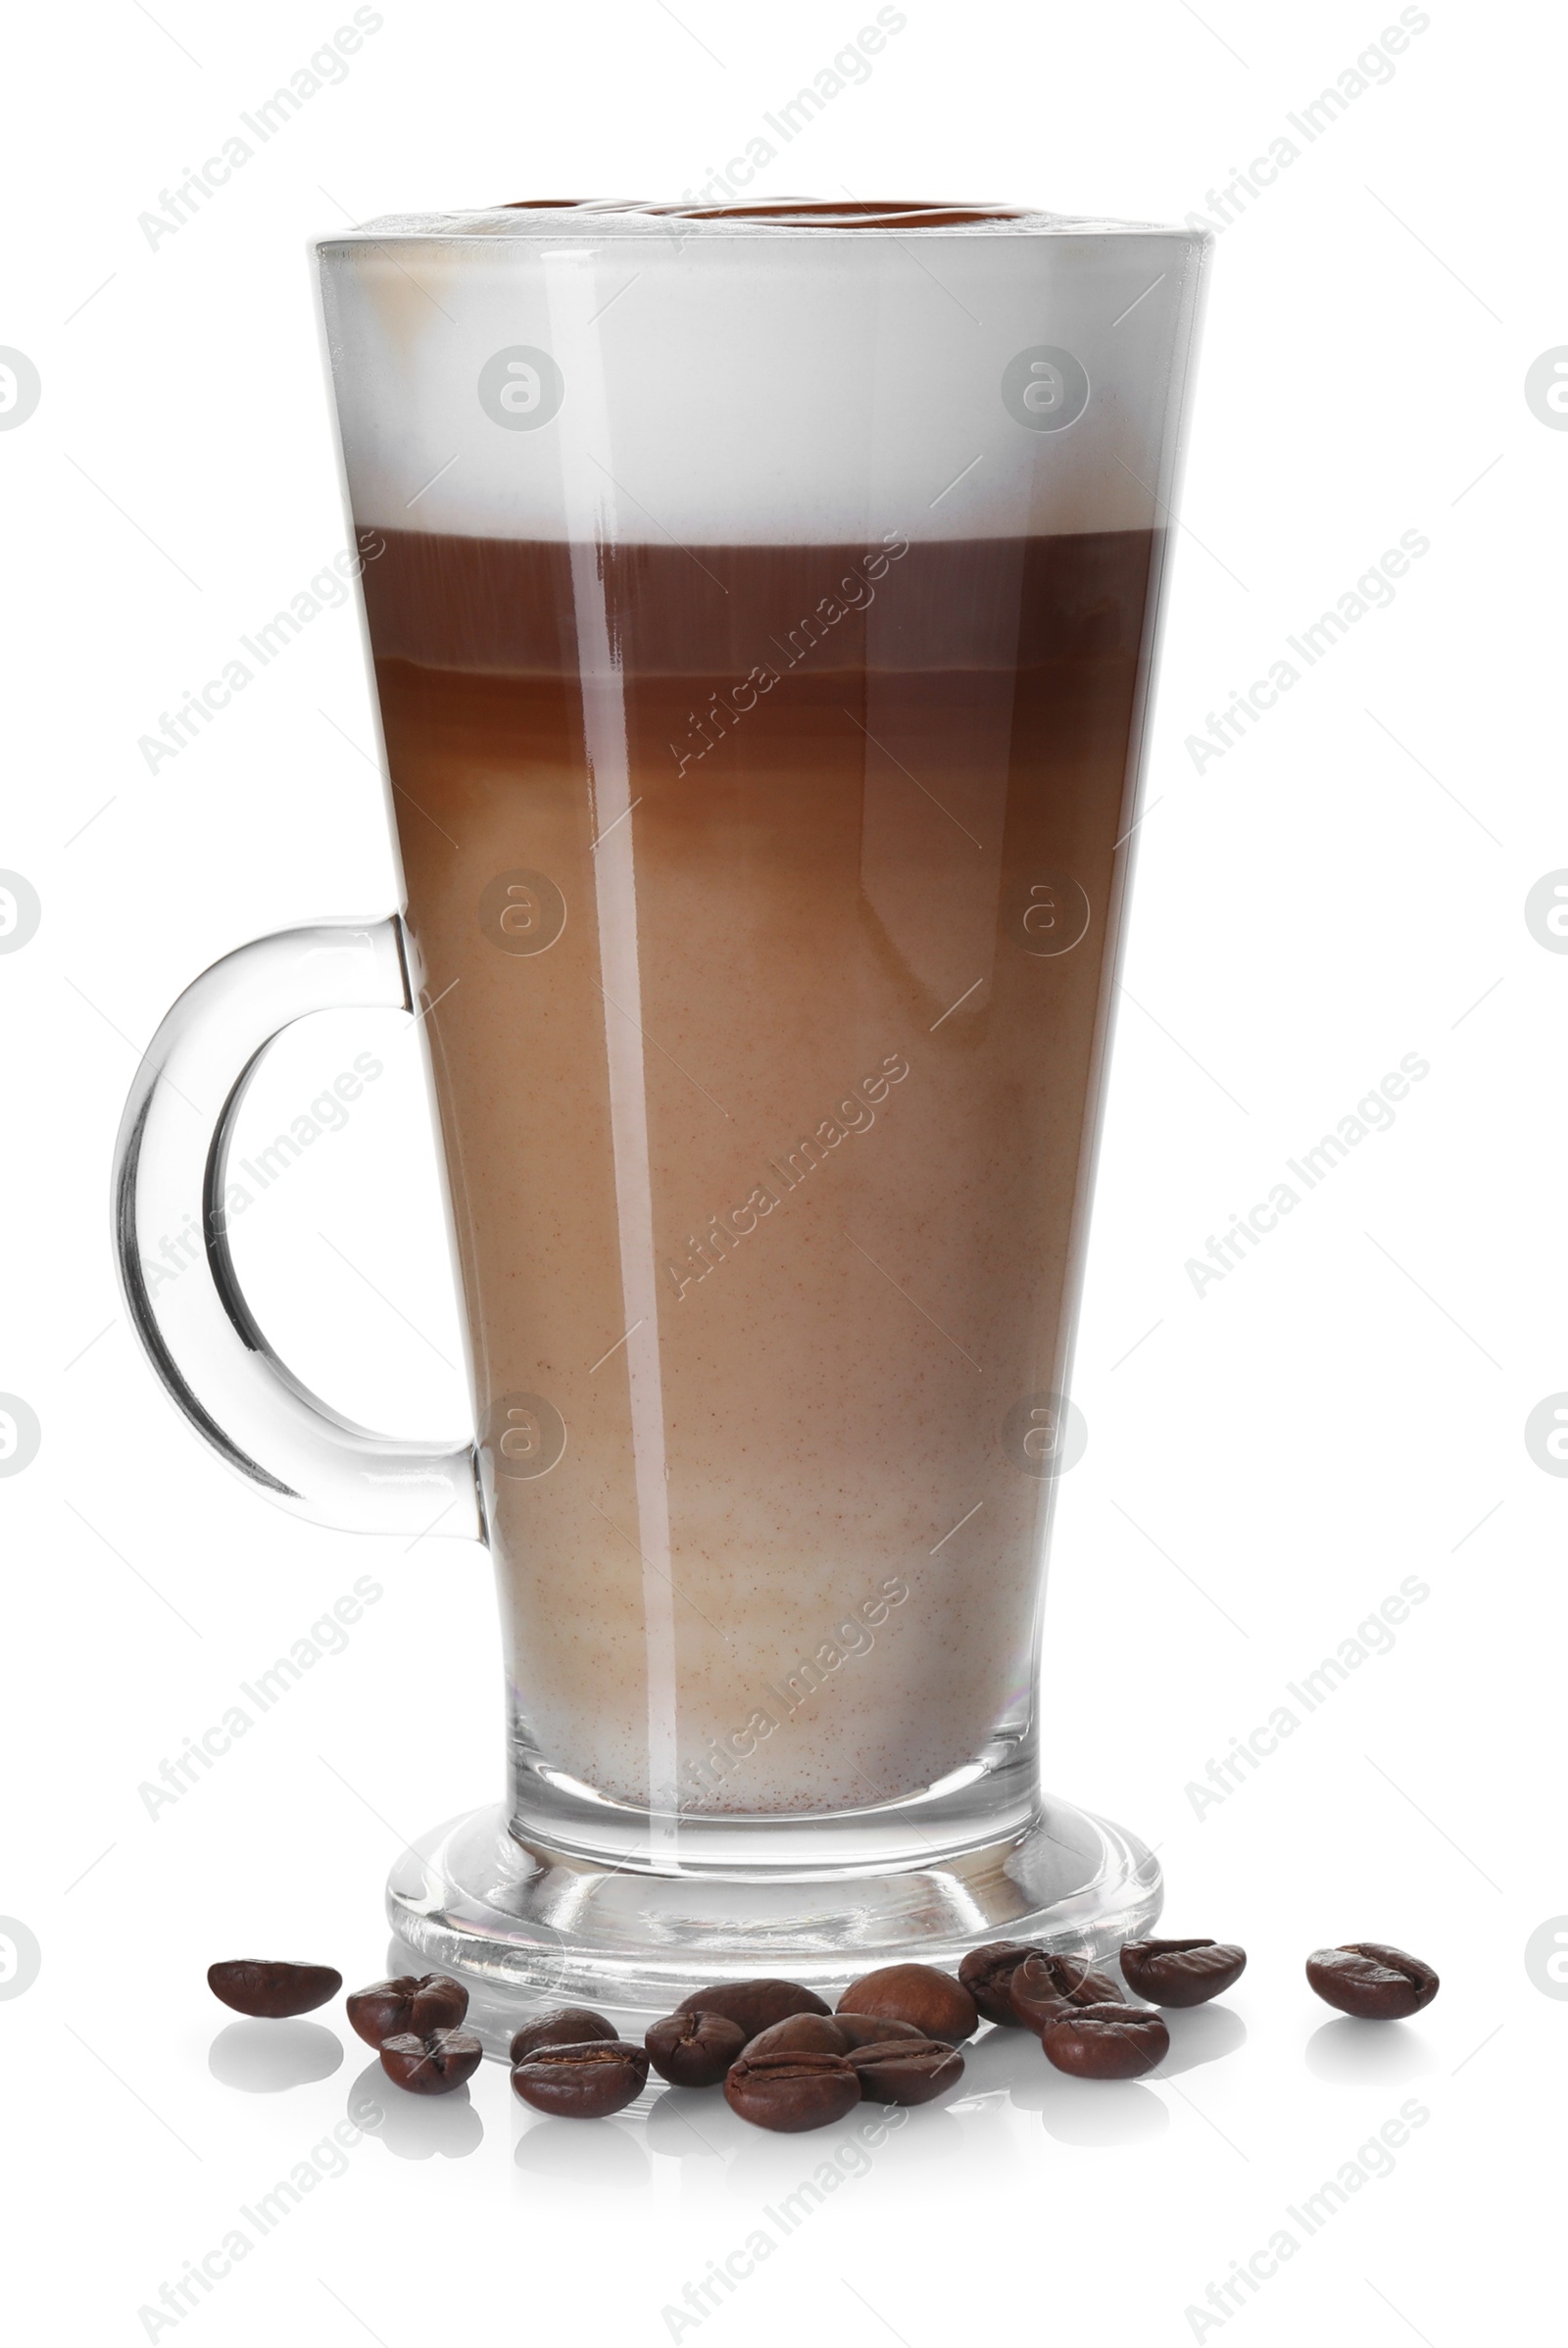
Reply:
x=694, y=2050
x=582, y=2083
x=563, y=2026
x=933, y=2001
x=434, y=2064
x=754, y=2005
x=829, y=2034
x=790, y=2092
x=1042, y=1988
x=1108, y=2041
x=410, y=2004
x=1182, y=1973
x=907, y=2071
x=872, y=2030
x=803, y=2034
x=985, y=1972
x=271, y=1987
x=1372, y=1982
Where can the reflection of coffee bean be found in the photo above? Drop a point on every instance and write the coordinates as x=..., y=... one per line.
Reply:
x=1545, y=1435
x=523, y=911
x=1182, y=1973
x=434, y=2064
x=582, y=2083
x=791, y=2092
x=1545, y=911
x=19, y=388
x=20, y=1957
x=20, y=1435
x=933, y=2001
x=1371, y=1980
x=526, y=1435
x=520, y=388
x=1044, y=1435
x=754, y=2005
x=694, y=2050
x=1045, y=389
x=20, y=911
x=421, y=2003
x=1107, y=2041
x=1545, y=1956
x=272, y=1989
x=413, y=2127
x=1048, y=914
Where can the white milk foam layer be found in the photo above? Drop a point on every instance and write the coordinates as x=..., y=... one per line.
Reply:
x=726, y=381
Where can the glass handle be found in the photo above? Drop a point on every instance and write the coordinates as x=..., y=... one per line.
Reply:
x=199, y=1332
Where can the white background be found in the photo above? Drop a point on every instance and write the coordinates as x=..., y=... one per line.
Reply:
x=1344, y=1410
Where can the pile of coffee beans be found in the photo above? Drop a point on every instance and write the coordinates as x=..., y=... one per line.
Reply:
x=412, y=2021
x=785, y=2060
x=788, y=2061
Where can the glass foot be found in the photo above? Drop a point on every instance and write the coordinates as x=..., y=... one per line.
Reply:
x=527, y=1921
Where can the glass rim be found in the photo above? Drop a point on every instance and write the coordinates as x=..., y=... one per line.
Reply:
x=598, y=220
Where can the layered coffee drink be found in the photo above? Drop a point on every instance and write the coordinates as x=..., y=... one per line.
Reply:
x=763, y=780
x=767, y=1008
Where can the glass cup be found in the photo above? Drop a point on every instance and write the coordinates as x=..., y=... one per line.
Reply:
x=763, y=602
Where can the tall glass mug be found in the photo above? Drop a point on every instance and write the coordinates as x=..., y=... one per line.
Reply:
x=762, y=604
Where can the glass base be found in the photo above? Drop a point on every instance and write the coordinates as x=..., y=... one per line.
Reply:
x=525, y=1920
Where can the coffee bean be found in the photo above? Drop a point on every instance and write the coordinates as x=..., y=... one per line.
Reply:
x=905, y=2071
x=1043, y=1987
x=754, y=2005
x=1182, y=1973
x=272, y=1989
x=434, y=2064
x=563, y=2026
x=430, y=2001
x=872, y=2030
x=933, y=2001
x=985, y=1972
x=1107, y=2041
x=582, y=2083
x=790, y=2092
x=1372, y=1982
x=694, y=2050
x=803, y=2034
x=829, y=2034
